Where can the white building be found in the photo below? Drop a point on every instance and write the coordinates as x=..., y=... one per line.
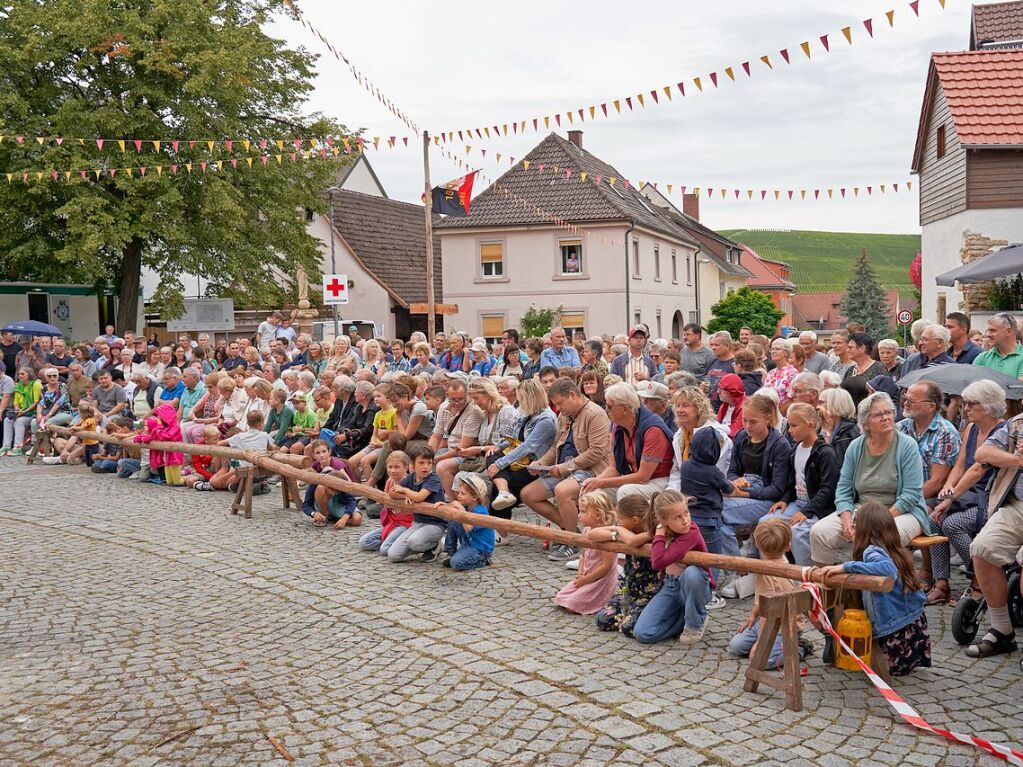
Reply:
x=628, y=263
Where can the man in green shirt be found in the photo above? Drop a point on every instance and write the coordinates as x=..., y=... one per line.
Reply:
x=1006, y=352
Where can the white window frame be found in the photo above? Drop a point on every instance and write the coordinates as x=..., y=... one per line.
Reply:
x=503, y=276
x=636, y=274
x=559, y=274
x=570, y=329
x=657, y=262
x=504, y=325
x=674, y=267
x=689, y=269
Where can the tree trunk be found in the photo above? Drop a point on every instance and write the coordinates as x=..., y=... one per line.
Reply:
x=128, y=293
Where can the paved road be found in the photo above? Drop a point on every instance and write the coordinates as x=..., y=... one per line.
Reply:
x=143, y=626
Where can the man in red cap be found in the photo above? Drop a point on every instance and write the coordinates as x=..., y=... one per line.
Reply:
x=634, y=365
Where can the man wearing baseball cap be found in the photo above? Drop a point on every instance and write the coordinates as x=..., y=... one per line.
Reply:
x=655, y=396
x=634, y=365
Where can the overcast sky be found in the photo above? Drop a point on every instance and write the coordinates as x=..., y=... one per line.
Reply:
x=843, y=119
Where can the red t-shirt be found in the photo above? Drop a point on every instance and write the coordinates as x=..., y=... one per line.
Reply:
x=656, y=447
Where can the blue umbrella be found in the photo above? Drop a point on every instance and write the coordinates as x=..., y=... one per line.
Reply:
x=32, y=328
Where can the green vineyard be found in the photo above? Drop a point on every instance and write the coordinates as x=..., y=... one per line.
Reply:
x=821, y=262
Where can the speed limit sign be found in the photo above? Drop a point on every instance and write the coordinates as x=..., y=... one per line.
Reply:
x=905, y=317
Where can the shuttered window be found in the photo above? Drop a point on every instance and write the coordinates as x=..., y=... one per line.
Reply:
x=492, y=327
x=571, y=252
x=492, y=259
x=572, y=322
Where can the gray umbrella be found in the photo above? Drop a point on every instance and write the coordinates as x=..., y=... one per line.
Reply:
x=954, y=378
x=1002, y=263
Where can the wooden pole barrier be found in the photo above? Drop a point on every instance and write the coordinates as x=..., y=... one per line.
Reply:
x=506, y=526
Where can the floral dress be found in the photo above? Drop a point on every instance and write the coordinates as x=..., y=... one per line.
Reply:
x=637, y=585
x=50, y=398
x=780, y=379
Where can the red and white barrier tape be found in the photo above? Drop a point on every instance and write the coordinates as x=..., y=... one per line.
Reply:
x=903, y=709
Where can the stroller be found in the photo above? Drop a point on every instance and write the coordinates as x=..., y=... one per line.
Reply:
x=969, y=611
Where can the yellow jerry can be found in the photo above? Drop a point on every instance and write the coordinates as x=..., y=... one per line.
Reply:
x=854, y=628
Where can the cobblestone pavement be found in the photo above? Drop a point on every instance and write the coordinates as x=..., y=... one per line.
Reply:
x=142, y=625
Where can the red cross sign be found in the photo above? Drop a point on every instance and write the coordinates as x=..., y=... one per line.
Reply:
x=335, y=289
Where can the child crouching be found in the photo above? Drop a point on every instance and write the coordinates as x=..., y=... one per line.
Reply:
x=106, y=460
x=466, y=546
x=598, y=570
x=393, y=522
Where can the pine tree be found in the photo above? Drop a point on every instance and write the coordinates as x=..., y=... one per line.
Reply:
x=865, y=299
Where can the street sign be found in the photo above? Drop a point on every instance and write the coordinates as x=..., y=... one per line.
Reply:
x=335, y=289
x=905, y=317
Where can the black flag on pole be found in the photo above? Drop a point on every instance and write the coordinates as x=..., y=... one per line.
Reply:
x=453, y=198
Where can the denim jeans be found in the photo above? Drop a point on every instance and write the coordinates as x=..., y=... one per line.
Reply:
x=59, y=419
x=800, y=533
x=371, y=540
x=128, y=466
x=104, y=466
x=743, y=642
x=681, y=602
x=712, y=537
x=464, y=556
x=737, y=512
x=415, y=540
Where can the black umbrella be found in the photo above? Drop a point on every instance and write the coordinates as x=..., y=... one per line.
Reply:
x=954, y=378
x=1002, y=263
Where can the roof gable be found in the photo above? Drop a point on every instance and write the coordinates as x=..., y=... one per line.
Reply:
x=761, y=276
x=996, y=23
x=388, y=237
x=514, y=198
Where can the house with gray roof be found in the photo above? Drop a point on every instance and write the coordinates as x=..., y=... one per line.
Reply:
x=553, y=232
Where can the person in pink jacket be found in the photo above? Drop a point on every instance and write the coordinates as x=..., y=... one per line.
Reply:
x=163, y=426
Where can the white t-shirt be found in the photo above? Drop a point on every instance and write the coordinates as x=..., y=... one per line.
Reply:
x=802, y=456
x=267, y=333
x=252, y=439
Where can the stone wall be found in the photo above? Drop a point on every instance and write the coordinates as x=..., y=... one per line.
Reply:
x=975, y=296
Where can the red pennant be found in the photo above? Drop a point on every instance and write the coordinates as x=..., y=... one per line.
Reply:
x=816, y=193
x=581, y=117
x=479, y=133
x=293, y=156
x=264, y=158
x=298, y=143
x=174, y=170
x=842, y=191
x=628, y=100
x=138, y=145
x=915, y=5
x=710, y=191
x=234, y=162
x=785, y=55
x=737, y=193
x=557, y=119
x=870, y=190
x=59, y=140
x=714, y=78
x=330, y=141
x=174, y=146
x=24, y=177
x=763, y=193
x=203, y=166
x=113, y=171
x=790, y=194
x=191, y=144
x=262, y=145
x=540, y=168
x=683, y=190
x=228, y=144
x=654, y=94
x=99, y=143
x=895, y=187
x=405, y=139
x=535, y=121
x=515, y=126
x=869, y=24
x=682, y=88
x=824, y=42
x=53, y=175
x=20, y=139
x=142, y=170
x=81, y=173
x=745, y=66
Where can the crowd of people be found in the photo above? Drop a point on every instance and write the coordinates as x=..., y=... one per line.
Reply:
x=809, y=454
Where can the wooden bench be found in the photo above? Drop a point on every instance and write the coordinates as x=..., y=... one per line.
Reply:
x=248, y=476
x=926, y=541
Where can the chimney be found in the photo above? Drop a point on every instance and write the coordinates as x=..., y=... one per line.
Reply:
x=576, y=137
x=691, y=205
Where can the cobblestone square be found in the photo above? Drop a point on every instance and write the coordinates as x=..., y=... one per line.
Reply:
x=142, y=625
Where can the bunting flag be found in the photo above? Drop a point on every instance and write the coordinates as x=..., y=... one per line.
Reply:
x=172, y=147
x=700, y=81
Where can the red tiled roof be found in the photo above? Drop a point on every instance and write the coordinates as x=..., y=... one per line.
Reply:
x=824, y=308
x=996, y=22
x=984, y=91
x=763, y=278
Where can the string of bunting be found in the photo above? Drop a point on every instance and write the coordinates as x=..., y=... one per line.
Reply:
x=663, y=94
x=359, y=76
x=172, y=147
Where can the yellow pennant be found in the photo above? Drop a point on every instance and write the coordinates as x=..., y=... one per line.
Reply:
x=67, y=175
x=802, y=193
x=767, y=60
x=498, y=156
x=211, y=144
x=159, y=170
x=730, y=73
x=279, y=158
x=941, y=3
x=487, y=132
x=522, y=127
x=696, y=191
x=856, y=191
x=699, y=85
x=467, y=149
x=669, y=188
x=128, y=171
x=847, y=31
x=188, y=167
x=641, y=184
x=831, y=193
x=97, y=172
x=777, y=193
x=882, y=188
x=156, y=146
x=505, y=128
x=806, y=48
x=618, y=106
x=40, y=139
x=220, y=164
x=723, y=194
x=909, y=184
x=667, y=91
x=2, y=140
x=749, y=193
x=313, y=143
x=376, y=142
x=525, y=164
x=335, y=151
x=120, y=143
x=639, y=97
x=248, y=160
x=583, y=175
x=569, y=114
x=891, y=17
x=246, y=144
x=592, y=111
x=547, y=121
x=612, y=180
x=39, y=176
x=9, y=175
x=280, y=144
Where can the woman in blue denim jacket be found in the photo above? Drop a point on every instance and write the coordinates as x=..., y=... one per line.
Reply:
x=536, y=430
x=897, y=617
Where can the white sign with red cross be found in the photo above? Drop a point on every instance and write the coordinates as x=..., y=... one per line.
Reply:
x=335, y=289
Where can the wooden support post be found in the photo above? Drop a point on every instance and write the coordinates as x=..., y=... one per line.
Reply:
x=290, y=493
x=431, y=303
x=781, y=613
x=243, y=495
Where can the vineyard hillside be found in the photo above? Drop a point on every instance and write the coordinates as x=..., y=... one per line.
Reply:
x=821, y=262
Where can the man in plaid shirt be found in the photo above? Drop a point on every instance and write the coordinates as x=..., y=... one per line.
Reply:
x=938, y=439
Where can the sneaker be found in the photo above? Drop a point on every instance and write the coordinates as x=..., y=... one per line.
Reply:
x=72, y=461
x=134, y=475
x=572, y=564
x=501, y=540
x=153, y=480
x=715, y=602
x=445, y=559
x=431, y=555
x=3, y=451
x=504, y=500
x=561, y=552
x=18, y=451
x=691, y=635
x=202, y=485
x=260, y=488
x=729, y=591
x=52, y=460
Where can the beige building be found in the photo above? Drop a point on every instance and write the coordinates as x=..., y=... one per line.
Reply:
x=630, y=263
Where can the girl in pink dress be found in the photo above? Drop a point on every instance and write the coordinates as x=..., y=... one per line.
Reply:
x=598, y=570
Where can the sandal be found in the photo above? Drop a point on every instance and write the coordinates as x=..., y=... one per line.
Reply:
x=939, y=595
x=985, y=648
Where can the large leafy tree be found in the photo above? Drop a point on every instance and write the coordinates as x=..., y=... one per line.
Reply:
x=156, y=70
x=865, y=299
x=745, y=307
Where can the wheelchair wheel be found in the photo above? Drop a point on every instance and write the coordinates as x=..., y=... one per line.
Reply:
x=1015, y=601
x=966, y=618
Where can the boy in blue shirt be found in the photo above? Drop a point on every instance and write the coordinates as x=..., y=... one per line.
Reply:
x=468, y=547
x=426, y=534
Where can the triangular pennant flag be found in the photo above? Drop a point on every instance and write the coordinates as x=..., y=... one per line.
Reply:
x=113, y=172
x=557, y=119
x=120, y=143
x=67, y=175
x=188, y=167
x=915, y=5
x=777, y=194
x=99, y=143
x=881, y=187
x=667, y=92
x=280, y=144
x=159, y=170
x=699, y=85
x=696, y=191
x=156, y=146
x=749, y=194
x=723, y=194
x=618, y=106
x=806, y=48
x=891, y=17
x=714, y=78
x=593, y=111
x=82, y=173
x=628, y=101
x=97, y=172
x=40, y=140
x=229, y=144
x=611, y=180
x=639, y=97
x=785, y=55
x=669, y=189
x=856, y=191
x=293, y=156
x=816, y=194
x=941, y=3
x=54, y=175
x=710, y=191
x=20, y=139
x=763, y=194
x=730, y=73
x=203, y=166
x=191, y=144
x=174, y=170
x=246, y=144
x=870, y=191
x=869, y=24
x=682, y=88
x=842, y=192
x=909, y=184
x=790, y=194
x=824, y=42
x=847, y=31
x=248, y=161
x=525, y=164
x=654, y=95
x=767, y=60
x=802, y=194
x=211, y=144
x=142, y=170
x=220, y=164
x=570, y=118
x=745, y=67
x=498, y=156
x=831, y=192
x=59, y=140
x=138, y=145
x=9, y=176
x=895, y=187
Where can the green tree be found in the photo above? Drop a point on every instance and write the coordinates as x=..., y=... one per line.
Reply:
x=748, y=307
x=537, y=322
x=865, y=299
x=156, y=70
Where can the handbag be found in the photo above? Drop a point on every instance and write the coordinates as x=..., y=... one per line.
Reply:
x=475, y=464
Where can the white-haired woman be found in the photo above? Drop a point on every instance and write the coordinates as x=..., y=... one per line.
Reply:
x=962, y=506
x=838, y=420
x=888, y=355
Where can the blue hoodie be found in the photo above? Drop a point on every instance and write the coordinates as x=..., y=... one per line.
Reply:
x=702, y=480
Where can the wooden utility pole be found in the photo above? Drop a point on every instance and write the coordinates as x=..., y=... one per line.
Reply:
x=431, y=307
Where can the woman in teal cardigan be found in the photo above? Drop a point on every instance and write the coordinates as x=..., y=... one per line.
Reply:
x=881, y=465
